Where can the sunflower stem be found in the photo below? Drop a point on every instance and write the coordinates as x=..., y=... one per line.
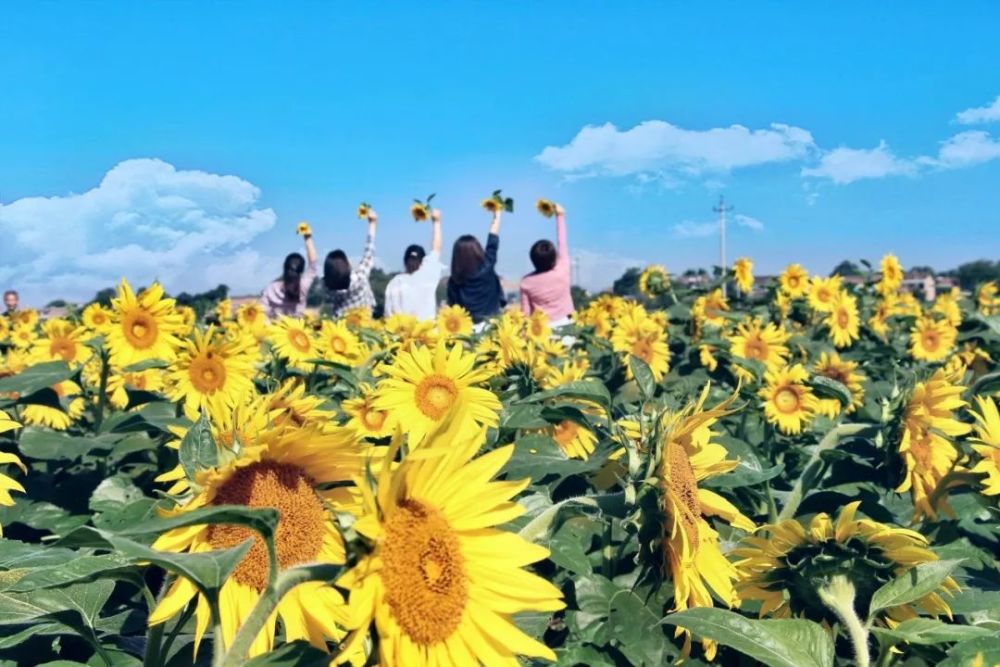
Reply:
x=838, y=596
x=810, y=472
x=174, y=632
x=267, y=604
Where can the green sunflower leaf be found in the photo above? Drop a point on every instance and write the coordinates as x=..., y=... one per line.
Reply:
x=912, y=585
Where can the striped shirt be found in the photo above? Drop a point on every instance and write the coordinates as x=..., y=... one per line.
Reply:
x=359, y=293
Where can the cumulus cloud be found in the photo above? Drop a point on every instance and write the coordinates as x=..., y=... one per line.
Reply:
x=146, y=220
x=975, y=115
x=967, y=149
x=690, y=229
x=658, y=147
x=847, y=165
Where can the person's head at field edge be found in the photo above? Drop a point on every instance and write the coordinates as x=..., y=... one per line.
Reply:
x=413, y=257
x=543, y=255
x=337, y=271
x=466, y=257
x=10, y=300
x=291, y=276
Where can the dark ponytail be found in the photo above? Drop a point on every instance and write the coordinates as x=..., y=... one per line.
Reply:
x=291, y=277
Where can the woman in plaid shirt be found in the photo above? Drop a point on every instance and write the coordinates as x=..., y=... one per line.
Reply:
x=346, y=288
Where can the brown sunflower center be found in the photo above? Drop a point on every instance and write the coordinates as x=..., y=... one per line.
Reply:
x=63, y=347
x=140, y=329
x=207, y=373
x=301, y=529
x=373, y=419
x=756, y=348
x=423, y=571
x=643, y=349
x=299, y=340
x=338, y=344
x=682, y=489
x=843, y=318
x=930, y=339
x=564, y=432
x=786, y=400
x=435, y=395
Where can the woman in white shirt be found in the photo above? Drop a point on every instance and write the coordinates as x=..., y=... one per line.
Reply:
x=414, y=292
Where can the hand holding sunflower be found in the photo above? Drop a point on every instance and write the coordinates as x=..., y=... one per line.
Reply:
x=421, y=210
x=496, y=203
x=304, y=229
x=363, y=209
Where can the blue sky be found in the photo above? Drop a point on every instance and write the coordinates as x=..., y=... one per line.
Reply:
x=184, y=140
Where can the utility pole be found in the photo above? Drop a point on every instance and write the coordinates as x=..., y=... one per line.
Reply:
x=574, y=277
x=722, y=209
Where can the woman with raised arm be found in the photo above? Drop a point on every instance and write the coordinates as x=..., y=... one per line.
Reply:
x=548, y=287
x=287, y=294
x=474, y=283
x=414, y=292
x=346, y=288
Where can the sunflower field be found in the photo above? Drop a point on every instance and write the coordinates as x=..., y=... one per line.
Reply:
x=806, y=476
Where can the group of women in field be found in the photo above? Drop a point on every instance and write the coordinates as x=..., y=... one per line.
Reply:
x=473, y=282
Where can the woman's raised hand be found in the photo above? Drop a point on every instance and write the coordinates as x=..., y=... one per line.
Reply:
x=435, y=215
x=560, y=210
x=372, y=216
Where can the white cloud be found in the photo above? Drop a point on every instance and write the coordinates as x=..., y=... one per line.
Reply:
x=975, y=115
x=966, y=149
x=657, y=147
x=846, y=165
x=690, y=229
x=146, y=220
x=748, y=222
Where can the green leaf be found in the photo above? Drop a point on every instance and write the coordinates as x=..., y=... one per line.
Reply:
x=294, y=654
x=567, y=547
x=198, y=450
x=779, y=643
x=587, y=390
x=912, y=585
x=264, y=520
x=829, y=388
x=537, y=456
x=145, y=365
x=929, y=631
x=34, y=378
x=113, y=493
x=636, y=629
x=527, y=416
x=46, y=445
x=80, y=569
x=985, y=650
x=643, y=376
x=987, y=385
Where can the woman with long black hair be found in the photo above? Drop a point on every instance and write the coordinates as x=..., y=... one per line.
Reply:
x=474, y=283
x=287, y=294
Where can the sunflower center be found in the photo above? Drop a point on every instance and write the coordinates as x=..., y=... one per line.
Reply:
x=338, y=345
x=207, y=373
x=301, y=528
x=756, y=348
x=643, y=350
x=683, y=490
x=564, y=432
x=931, y=340
x=299, y=340
x=140, y=330
x=435, y=395
x=63, y=347
x=843, y=319
x=423, y=571
x=786, y=400
x=373, y=419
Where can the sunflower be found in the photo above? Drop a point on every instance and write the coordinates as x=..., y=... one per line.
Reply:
x=210, y=372
x=365, y=419
x=932, y=339
x=58, y=419
x=8, y=484
x=654, y=281
x=892, y=274
x=143, y=327
x=986, y=298
x=691, y=547
x=830, y=365
x=789, y=403
x=538, y=328
x=575, y=440
x=96, y=317
x=291, y=471
x=546, y=207
x=303, y=229
x=425, y=388
x=710, y=308
x=290, y=406
x=752, y=339
x=441, y=582
x=491, y=205
x=823, y=293
x=743, y=270
x=23, y=336
x=454, y=321
x=879, y=321
x=251, y=317
x=4, y=329
x=339, y=344
x=119, y=382
x=408, y=331
x=794, y=281
x=27, y=317
x=947, y=305
x=636, y=335
x=784, y=563
x=571, y=370
x=988, y=447
x=359, y=318
x=294, y=342
x=706, y=357
x=188, y=318
x=925, y=447
x=63, y=341
x=843, y=320
x=419, y=212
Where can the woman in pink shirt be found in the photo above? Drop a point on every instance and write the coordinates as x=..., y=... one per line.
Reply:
x=287, y=294
x=548, y=288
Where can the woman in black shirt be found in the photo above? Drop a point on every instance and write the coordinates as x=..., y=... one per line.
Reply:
x=474, y=283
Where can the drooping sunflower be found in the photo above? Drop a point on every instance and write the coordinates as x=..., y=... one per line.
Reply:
x=743, y=270
x=70, y=396
x=843, y=320
x=294, y=342
x=454, y=321
x=144, y=326
x=291, y=471
x=570, y=370
x=794, y=281
x=784, y=563
x=692, y=550
x=8, y=484
x=441, y=582
x=210, y=372
x=291, y=406
x=988, y=447
x=789, y=403
x=752, y=339
x=932, y=339
x=62, y=340
x=425, y=387
x=987, y=300
x=96, y=317
x=892, y=274
x=365, y=419
x=925, y=447
x=654, y=281
x=823, y=292
x=830, y=365
x=575, y=440
x=339, y=344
